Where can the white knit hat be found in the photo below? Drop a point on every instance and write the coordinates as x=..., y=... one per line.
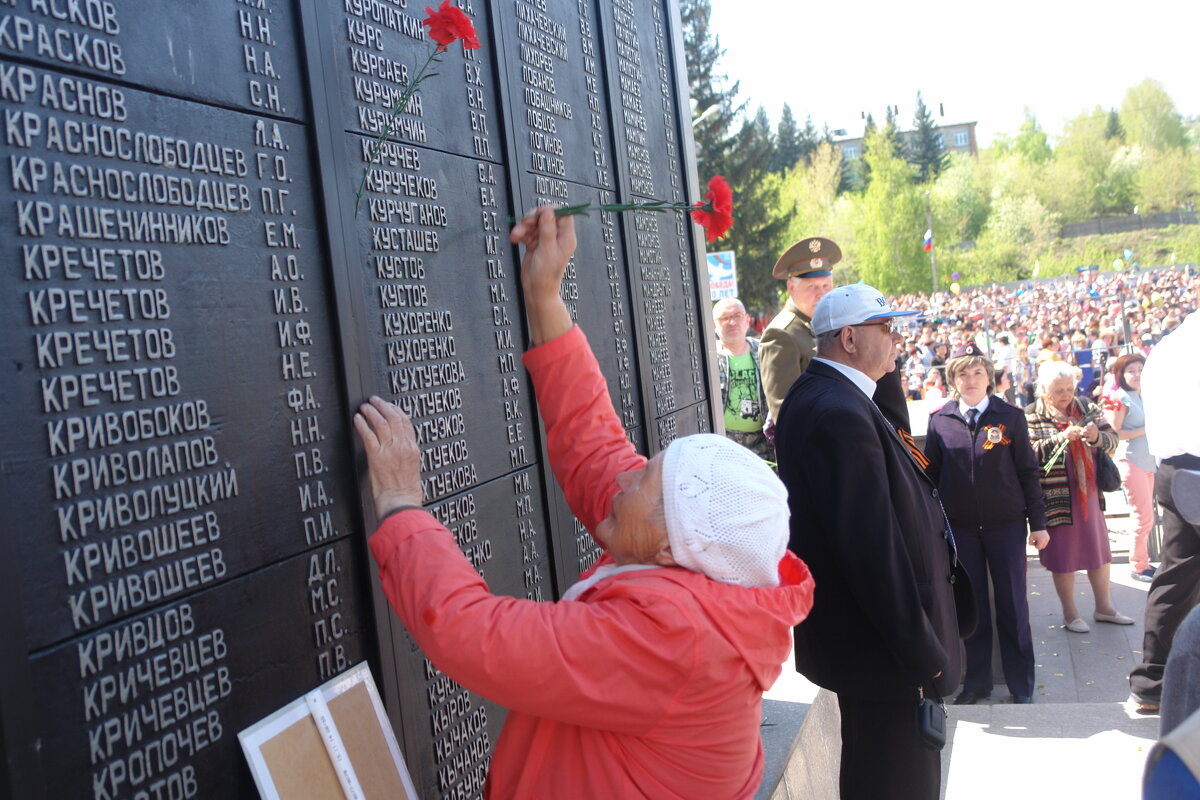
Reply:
x=727, y=512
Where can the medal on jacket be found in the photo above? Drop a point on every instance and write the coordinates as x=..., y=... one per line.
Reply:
x=995, y=436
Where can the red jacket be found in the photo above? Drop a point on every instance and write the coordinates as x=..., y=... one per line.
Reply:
x=649, y=684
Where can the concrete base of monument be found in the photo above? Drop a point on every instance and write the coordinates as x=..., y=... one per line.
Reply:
x=800, y=739
x=806, y=764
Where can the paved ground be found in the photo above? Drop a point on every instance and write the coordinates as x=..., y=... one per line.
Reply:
x=1080, y=739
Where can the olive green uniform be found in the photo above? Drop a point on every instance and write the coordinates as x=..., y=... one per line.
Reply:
x=788, y=344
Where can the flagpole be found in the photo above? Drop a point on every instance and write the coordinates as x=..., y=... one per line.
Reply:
x=932, y=246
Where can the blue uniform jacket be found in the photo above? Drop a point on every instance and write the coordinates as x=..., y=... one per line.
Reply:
x=984, y=489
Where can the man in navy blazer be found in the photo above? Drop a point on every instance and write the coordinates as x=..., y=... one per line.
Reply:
x=869, y=524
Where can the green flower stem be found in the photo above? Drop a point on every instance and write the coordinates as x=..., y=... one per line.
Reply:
x=386, y=134
x=1091, y=416
x=649, y=205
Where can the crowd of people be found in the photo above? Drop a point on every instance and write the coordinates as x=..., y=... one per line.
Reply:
x=1086, y=321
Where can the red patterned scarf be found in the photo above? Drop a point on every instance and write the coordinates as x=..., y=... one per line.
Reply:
x=1081, y=457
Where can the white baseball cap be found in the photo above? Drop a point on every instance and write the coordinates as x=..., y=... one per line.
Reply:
x=852, y=305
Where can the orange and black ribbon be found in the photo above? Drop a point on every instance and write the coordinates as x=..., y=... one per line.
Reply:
x=911, y=444
x=991, y=441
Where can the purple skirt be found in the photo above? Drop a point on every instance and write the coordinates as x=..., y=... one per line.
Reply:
x=1084, y=543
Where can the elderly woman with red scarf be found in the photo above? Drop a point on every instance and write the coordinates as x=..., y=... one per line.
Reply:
x=1074, y=507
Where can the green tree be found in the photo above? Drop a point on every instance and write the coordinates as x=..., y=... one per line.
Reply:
x=740, y=149
x=1032, y=144
x=811, y=138
x=889, y=223
x=858, y=171
x=810, y=188
x=1017, y=229
x=715, y=110
x=759, y=215
x=788, y=142
x=1149, y=117
x=926, y=148
x=1086, y=176
x=959, y=201
x=1114, y=130
x=891, y=133
x=1166, y=179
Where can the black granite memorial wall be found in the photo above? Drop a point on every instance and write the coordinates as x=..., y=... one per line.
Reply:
x=194, y=306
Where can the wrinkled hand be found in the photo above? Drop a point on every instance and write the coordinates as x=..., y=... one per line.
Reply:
x=549, y=244
x=1091, y=433
x=1039, y=539
x=1073, y=432
x=393, y=458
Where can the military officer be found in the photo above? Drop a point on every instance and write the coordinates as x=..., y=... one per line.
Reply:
x=788, y=343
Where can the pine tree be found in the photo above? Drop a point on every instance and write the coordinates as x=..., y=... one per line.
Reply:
x=858, y=172
x=926, y=150
x=891, y=134
x=741, y=151
x=788, y=142
x=811, y=138
x=714, y=107
x=1114, y=129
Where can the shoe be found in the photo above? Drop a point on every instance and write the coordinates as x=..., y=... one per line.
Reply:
x=969, y=698
x=1142, y=706
x=1145, y=576
x=1022, y=699
x=1116, y=619
x=1076, y=625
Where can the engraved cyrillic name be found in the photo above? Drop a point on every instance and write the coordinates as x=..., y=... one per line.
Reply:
x=80, y=34
x=633, y=110
x=625, y=402
x=329, y=629
x=528, y=537
x=150, y=690
x=461, y=743
x=656, y=289
x=377, y=82
x=292, y=331
x=135, y=473
x=592, y=79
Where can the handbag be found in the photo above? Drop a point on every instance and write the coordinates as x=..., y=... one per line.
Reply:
x=931, y=721
x=1108, y=477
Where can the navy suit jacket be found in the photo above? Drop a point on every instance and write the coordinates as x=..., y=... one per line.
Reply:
x=867, y=522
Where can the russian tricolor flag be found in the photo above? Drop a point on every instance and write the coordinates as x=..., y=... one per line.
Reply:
x=928, y=240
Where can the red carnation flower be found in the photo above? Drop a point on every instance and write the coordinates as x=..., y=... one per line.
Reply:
x=716, y=216
x=449, y=24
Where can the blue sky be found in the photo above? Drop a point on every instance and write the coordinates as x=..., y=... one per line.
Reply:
x=981, y=61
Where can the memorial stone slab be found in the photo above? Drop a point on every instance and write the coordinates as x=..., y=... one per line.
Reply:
x=197, y=297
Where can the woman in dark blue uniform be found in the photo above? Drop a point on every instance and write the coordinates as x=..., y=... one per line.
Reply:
x=980, y=457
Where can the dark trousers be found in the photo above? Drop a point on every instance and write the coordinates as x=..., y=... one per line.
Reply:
x=1176, y=587
x=882, y=759
x=1000, y=552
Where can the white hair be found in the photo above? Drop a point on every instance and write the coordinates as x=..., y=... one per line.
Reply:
x=1050, y=371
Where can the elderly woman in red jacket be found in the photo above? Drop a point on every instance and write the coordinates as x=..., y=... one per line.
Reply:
x=646, y=679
